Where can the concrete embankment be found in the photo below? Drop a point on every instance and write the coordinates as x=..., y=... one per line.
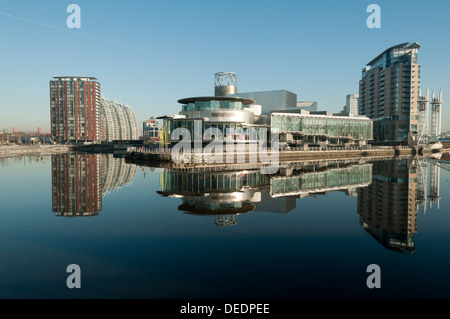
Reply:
x=15, y=150
x=139, y=156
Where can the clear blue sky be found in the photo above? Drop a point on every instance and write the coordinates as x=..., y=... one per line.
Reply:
x=149, y=54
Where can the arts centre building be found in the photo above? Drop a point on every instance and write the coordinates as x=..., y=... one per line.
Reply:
x=246, y=117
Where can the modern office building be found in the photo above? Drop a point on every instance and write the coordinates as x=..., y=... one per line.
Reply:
x=15, y=130
x=40, y=131
x=151, y=130
x=388, y=92
x=119, y=121
x=323, y=128
x=75, y=110
x=352, y=104
x=240, y=117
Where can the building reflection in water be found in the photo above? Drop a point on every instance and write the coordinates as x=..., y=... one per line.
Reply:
x=388, y=207
x=389, y=192
x=226, y=194
x=79, y=182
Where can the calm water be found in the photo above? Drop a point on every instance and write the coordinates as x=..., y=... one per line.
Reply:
x=309, y=232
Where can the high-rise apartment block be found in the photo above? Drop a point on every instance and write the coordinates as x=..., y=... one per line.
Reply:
x=389, y=91
x=75, y=110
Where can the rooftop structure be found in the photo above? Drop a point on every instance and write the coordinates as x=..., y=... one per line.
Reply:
x=225, y=83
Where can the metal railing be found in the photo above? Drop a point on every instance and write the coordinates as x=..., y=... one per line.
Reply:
x=153, y=150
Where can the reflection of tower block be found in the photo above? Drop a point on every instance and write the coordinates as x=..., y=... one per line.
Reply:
x=434, y=185
x=225, y=83
x=436, y=114
x=226, y=220
x=423, y=119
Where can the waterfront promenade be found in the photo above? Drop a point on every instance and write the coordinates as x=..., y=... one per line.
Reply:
x=164, y=157
x=14, y=150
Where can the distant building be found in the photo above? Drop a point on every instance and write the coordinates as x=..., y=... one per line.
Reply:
x=119, y=121
x=40, y=131
x=151, y=130
x=388, y=92
x=75, y=110
x=310, y=106
x=271, y=100
x=15, y=130
x=352, y=104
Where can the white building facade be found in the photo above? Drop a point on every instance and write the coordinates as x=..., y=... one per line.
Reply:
x=119, y=121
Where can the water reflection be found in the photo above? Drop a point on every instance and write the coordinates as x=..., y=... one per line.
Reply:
x=389, y=192
x=81, y=180
x=387, y=207
x=230, y=193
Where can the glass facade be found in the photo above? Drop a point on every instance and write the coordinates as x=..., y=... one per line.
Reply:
x=212, y=105
x=209, y=131
x=332, y=127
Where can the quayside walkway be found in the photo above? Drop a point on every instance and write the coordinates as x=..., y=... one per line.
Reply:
x=165, y=158
x=14, y=150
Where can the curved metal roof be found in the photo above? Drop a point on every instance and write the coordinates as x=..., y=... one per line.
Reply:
x=412, y=45
x=244, y=101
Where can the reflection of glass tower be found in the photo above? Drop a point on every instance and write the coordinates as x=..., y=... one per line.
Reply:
x=76, y=184
x=387, y=207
